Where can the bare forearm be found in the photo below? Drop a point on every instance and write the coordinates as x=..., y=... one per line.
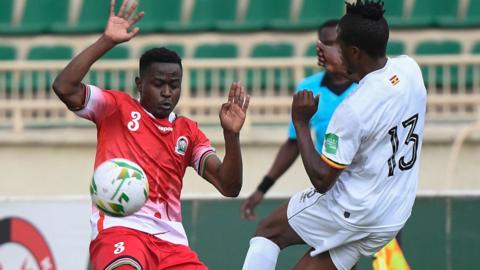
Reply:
x=310, y=158
x=287, y=154
x=231, y=169
x=67, y=83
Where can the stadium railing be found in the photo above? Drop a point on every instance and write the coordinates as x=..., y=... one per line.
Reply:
x=26, y=98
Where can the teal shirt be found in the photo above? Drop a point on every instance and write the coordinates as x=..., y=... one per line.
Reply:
x=326, y=106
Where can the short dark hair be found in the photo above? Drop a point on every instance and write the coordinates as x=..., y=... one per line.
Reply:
x=365, y=27
x=329, y=23
x=159, y=55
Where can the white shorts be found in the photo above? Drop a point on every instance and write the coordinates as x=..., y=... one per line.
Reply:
x=310, y=218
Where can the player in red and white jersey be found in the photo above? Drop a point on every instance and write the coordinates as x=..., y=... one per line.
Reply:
x=149, y=133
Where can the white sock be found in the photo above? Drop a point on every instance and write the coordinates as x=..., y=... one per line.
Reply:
x=262, y=254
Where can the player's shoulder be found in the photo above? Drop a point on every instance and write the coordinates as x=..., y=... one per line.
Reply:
x=312, y=80
x=186, y=123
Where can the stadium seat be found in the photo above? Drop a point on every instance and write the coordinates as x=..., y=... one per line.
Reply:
x=7, y=53
x=6, y=12
x=178, y=48
x=427, y=13
x=117, y=53
x=42, y=53
x=395, y=47
x=213, y=51
x=161, y=15
x=93, y=17
x=394, y=12
x=37, y=17
x=212, y=14
x=447, y=47
x=313, y=13
x=261, y=15
x=470, y=19
x=271, y=50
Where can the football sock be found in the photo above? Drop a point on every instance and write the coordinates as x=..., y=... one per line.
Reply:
x=262, y=254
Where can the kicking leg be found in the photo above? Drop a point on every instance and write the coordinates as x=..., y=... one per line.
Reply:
x=319, y=262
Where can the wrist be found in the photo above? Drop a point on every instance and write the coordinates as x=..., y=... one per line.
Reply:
x=266, y=184
x=231, y=134
x=300, y=124
x=106, y=42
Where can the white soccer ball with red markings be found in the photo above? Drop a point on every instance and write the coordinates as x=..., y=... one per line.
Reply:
x=119, y=187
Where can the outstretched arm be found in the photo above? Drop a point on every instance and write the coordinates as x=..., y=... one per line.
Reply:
x=226, y=176
x=67, y=85
x=287, y=154
x=321, y=174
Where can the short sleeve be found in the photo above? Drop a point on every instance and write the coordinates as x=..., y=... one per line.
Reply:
x=98, y=104
x=202, y=149
x=342, y=138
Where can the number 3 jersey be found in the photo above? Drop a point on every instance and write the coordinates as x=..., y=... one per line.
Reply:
x=164, y=148
x=376, y=136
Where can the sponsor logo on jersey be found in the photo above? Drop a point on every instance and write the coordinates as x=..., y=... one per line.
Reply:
x=331, y=143
x=181, y=146
x=165, y=129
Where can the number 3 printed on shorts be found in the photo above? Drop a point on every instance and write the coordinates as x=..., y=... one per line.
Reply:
x=119, y=248
x=411, y=138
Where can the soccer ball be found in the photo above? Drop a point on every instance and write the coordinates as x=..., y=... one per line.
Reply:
x=119, y=187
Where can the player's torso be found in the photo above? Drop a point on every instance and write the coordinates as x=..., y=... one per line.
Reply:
x=382, y=177
x=160, y=146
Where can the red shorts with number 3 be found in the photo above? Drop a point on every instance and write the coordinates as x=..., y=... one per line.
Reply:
x=119, y=246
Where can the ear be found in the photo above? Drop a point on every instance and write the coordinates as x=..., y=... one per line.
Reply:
x=138, y=82
x=356, y=52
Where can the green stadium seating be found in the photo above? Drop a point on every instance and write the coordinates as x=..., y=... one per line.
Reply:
x=121, y=52
x=43, y=53
x=261, y=15
x=447, y=47
x=394, y=12
x=178, y=48
x=313, y=13
x=213, y=51
x=6, y=11
x=427, y=13
x=212, y=14
x=395, y=47
x=37, y=17
x=271, y=50
x=471, y=18
x=7, y=53
x=93, y=17
x=470, y=70
x=161, y=15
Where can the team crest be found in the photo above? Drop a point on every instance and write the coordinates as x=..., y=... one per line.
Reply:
x=181, y=146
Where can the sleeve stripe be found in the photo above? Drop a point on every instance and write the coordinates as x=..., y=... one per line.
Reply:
x=204, y=162
x=202, y=158
x=332, y=163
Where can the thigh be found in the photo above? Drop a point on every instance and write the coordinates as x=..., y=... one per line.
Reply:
x=115, y=247
x=169, y=256
x=276, y=228
x=319, y=262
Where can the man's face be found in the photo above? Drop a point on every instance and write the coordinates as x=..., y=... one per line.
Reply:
x=160, y=88
x=328, y=35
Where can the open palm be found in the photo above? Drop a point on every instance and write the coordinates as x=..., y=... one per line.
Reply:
x=118, y=26
x=233, y=113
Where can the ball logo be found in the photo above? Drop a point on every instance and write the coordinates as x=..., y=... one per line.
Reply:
x=181, y=146
x=24, y=245
x=134, y=125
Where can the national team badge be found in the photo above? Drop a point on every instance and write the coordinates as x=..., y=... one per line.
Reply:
x=181, y=146
x=331, y=143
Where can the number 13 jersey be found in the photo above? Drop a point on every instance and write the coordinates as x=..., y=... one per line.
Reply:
x=376, y=135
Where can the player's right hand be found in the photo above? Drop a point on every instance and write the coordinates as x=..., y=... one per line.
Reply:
x=118, y=26
x=248, y=207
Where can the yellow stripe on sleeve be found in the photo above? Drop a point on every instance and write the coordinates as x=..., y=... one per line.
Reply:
x=332, y=163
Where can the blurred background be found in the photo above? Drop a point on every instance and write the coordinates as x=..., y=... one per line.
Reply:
x=47, y=154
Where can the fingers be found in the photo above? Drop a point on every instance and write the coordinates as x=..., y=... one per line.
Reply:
x=246, y=103
x=316, y=99
x=136, y=18
x=112, y=7
x=130, y=11
x=231, y=93
x=247, y=211
x=122, y=8
x=133, y=33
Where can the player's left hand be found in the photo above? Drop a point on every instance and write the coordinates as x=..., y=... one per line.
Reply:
x=304, y=106
x=233, y=113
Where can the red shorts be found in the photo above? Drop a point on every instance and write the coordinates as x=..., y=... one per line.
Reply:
x=120, y=246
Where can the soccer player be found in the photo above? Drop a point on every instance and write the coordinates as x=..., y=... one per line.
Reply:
x=164, y=144
x=332, y=89
x=365, y=180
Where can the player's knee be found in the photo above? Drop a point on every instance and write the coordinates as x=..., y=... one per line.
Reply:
x=265, y=228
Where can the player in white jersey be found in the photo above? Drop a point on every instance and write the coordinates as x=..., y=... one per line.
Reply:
x=365, y=181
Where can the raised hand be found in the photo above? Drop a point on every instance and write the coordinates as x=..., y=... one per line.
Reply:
x=304, y=106
x=248, y=207
x=233, y=113
x=118, y=26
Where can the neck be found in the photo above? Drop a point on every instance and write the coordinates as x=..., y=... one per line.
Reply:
x=370, y=65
